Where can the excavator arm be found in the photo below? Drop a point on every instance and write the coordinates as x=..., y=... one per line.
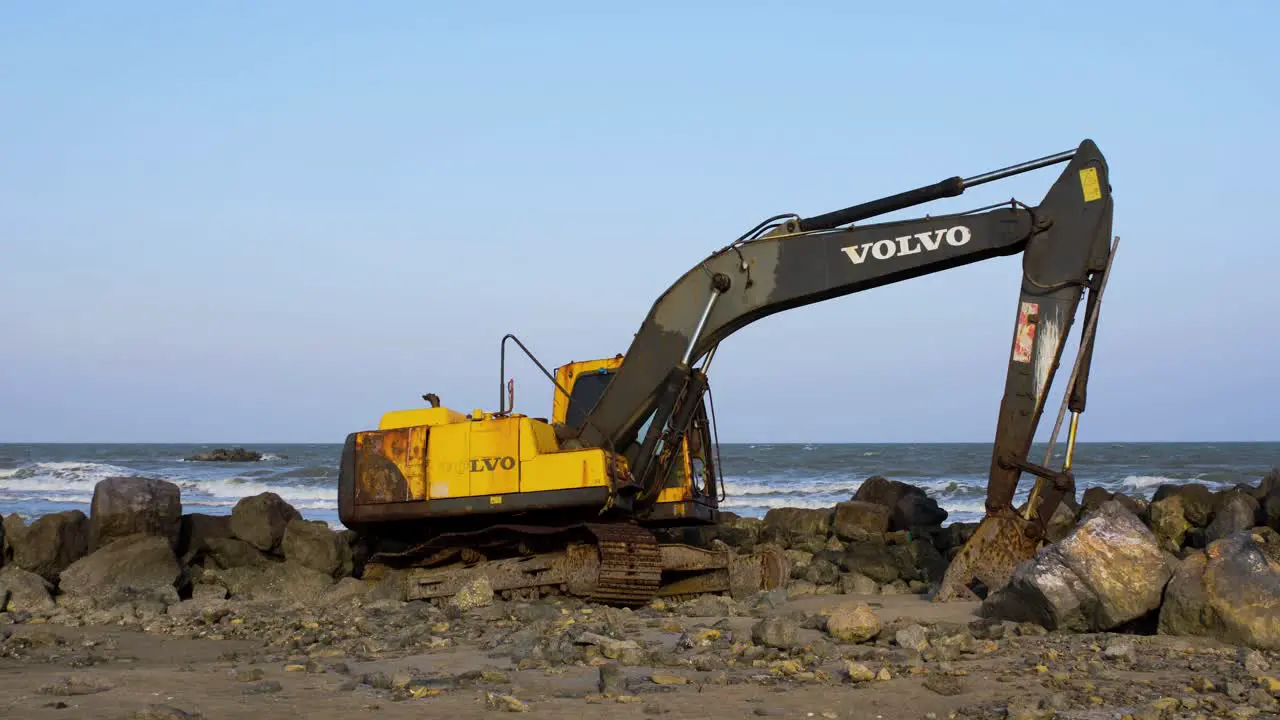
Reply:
x=1065, y=245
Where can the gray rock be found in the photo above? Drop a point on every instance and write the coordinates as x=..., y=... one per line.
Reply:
x=1107, y=572
x=1230, y=591
x=789, y=524
x=1169, y=522
x=196, y=529
x=345, y=590
x=775, y=632
x=853, y=623
x=909, y=506
x=227, y=553
x=1271, y=509
x=1060, y=525
x=238, y=454
x=278, y=581
x=26, y=591
x=923, y=561
x=821, y=572
x=51, y=543
x=311, y=543
x=913, y=637
x=135, y=562
x=14, y=529
x=1092, y=499
x=260, y=520
x=1198, y=502
x=612, y=682
x=855, y=519
x=855, y=583
x=125, y=506
x=203, y=593
x=875, y=560
x=739, y=532
x=1237, y=511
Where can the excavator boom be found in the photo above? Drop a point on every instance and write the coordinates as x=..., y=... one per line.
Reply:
x=1065, y=244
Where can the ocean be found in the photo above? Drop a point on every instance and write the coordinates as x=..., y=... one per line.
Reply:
x=36, y=479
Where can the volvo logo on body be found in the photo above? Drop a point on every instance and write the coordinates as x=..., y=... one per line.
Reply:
x=489, y=464
x=956, y=236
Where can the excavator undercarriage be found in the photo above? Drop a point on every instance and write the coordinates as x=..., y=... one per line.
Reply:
x=582, y=504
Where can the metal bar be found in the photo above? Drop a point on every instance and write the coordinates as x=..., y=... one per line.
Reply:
x=502, y=371
x=697, y=332
x=1086, y=336
x=1019, y=168
x=1071, y=440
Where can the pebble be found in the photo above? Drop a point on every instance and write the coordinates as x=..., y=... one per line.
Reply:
x=507, y=703
x=857, y=672
x=913, y=637
x=262, y=688
x=945, y=684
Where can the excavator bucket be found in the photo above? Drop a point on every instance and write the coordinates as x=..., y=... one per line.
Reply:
x=999, y=543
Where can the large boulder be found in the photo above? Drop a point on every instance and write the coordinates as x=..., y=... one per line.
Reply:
x=286, y=580
x=133, y=563
x=1238, y=510
x=739, y=532
x=51, y=543
x=229, y=552
x=312, y=544
x=25, y=591
x=791, y=525
x=124, y=506
x=14, y=529
x=877, y=561
x=909, y=506
x=1229, y=591
x=1169, y=522
x=856, y=519
x=1198, y=502
x=1107, y=572
x=197, y=529
x=260, y=520
x=1271, y=509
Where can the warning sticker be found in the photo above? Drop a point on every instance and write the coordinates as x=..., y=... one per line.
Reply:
x=1089, y=183
x=1025, y=337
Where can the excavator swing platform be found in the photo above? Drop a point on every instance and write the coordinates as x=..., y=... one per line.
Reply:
x=592, y=502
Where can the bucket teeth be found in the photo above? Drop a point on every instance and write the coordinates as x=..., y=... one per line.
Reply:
x=998, y=544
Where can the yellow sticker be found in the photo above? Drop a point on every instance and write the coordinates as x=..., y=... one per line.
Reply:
x=1089, y=182
x=495, y=499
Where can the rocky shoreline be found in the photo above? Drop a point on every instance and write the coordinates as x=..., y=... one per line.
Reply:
x=1160, y=609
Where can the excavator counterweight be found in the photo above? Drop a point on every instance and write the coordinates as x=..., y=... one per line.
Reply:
x=576, y=503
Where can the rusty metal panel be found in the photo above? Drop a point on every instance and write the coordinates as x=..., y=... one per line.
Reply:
x=390, y=465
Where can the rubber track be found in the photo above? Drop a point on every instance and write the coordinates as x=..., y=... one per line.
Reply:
x=630, y=564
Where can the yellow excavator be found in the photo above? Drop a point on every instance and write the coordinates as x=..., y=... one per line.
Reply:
x=576, y=503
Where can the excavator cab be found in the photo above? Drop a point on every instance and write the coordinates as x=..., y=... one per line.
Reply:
x=690, y=490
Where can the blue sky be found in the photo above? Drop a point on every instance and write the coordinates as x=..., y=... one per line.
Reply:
x=272, y=222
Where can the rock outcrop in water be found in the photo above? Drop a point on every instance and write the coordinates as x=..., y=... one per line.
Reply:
x=237, y=454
